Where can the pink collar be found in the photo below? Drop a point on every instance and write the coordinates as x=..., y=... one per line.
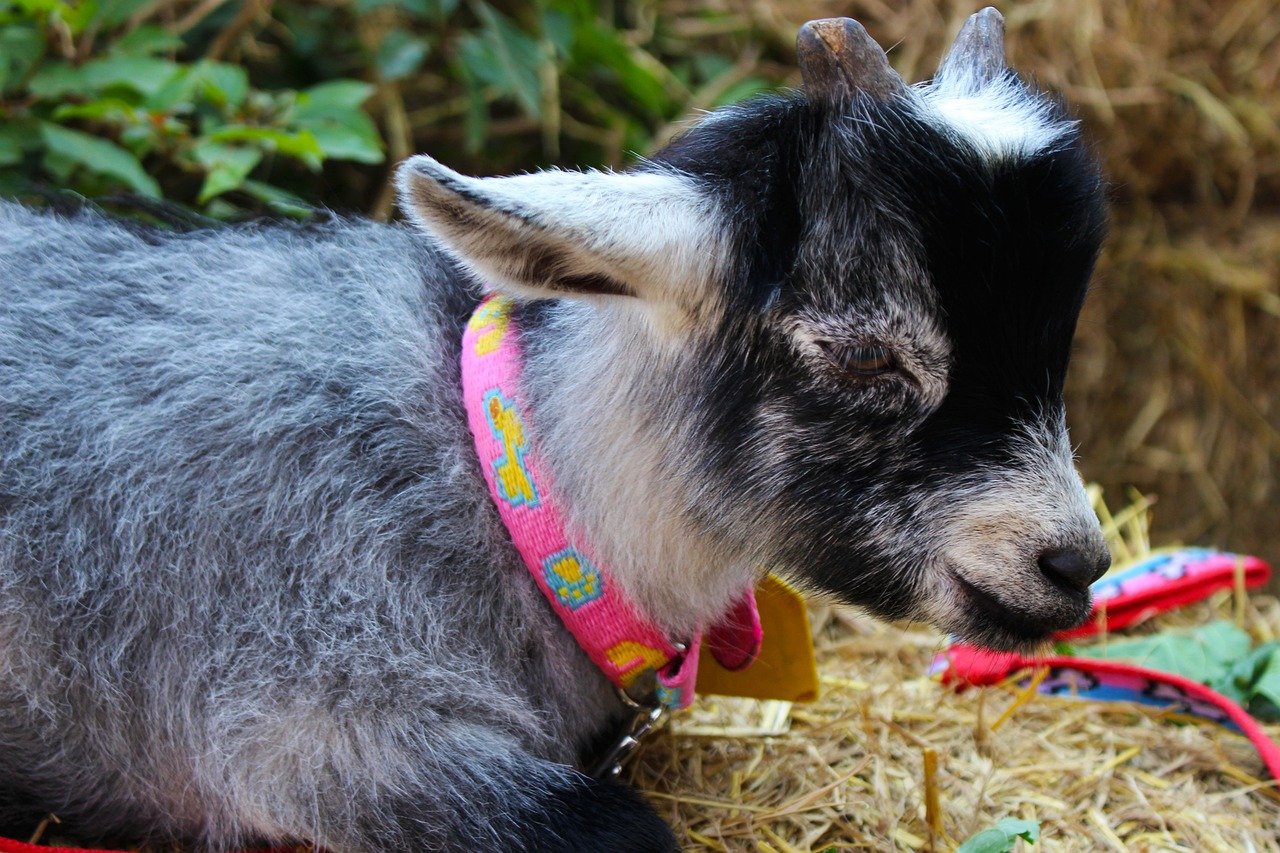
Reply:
x=623, y=643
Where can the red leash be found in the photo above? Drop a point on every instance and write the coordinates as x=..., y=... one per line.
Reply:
x=8, y=845
x=1161, y=582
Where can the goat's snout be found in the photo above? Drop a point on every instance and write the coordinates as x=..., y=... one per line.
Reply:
x=1074, y=569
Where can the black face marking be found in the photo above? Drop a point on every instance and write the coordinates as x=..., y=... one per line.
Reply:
x=885, y=219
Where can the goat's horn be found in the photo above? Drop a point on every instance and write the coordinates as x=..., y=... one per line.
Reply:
x=837, y=58
x=977, y=55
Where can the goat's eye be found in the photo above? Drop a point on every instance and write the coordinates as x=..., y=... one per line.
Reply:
x=861, y=361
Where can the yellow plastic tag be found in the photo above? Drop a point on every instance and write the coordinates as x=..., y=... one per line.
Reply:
x=785, y=668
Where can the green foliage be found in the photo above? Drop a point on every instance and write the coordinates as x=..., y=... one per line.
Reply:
x=1218, y=655
x=240, y=106
x=94, y=103
x=1002, y=837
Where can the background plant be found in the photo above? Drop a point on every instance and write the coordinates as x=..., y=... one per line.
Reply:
x=228, y=107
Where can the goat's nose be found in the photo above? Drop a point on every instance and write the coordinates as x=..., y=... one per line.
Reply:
x=1074, y=569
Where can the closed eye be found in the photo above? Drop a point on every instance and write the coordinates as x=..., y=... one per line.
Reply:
x=860, y=361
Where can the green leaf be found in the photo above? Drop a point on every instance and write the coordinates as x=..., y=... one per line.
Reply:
x=144, y=41
x=174, y=94
x=349, y=141
x=106, y=109
x=101, y=156
x=142, y=74
x=1002, y=837
x=226, y=167
x=223, y=84
x=20, y=49
x=400, y=54
x=15, y=139
x=145, y=75
x=506, y=58
x=331, y=113
x=1264, y=702
x=332, y=99
x=602, y=52
x=280, y=200
x=55, y=79
x=300, y=145
x=75, y=15
x=559, y=28
x=111, y=13
x=1206, y=655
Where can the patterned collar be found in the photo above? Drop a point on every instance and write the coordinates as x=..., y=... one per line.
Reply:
x=621, y=642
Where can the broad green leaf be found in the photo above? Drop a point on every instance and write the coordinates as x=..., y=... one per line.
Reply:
x=1265, y=699
x=400, y=54
x=142, y=74
x=59, y=165
x=174, y=94
x=56, y=78
x=15, y=139
x=601, y=52
x=226, y=166
x=349, y=141
x=20, y=49
x=111, y=13
x=145, y=75
x=515, y=58
x=280, y=200
x=301, y=145
x=101, y=156
x=76, y=15
x=1205, y=655
x=1002, y=837
x=145, y=41
x=335, y=98
x=1239, y=680
x=559, y=28
x=104, y=109
x=224, y=84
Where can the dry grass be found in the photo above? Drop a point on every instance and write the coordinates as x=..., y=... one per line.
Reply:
x=888, y=759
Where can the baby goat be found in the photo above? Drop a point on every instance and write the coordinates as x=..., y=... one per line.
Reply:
x=253, y=586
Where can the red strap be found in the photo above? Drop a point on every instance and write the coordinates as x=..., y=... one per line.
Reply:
x=1164, y=581
x=8, y=845
x=970, y=665
x=735, y=641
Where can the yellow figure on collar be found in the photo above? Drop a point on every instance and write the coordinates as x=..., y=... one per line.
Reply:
x=515, y=484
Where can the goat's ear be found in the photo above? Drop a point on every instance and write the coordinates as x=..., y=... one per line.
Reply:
x=651, y=235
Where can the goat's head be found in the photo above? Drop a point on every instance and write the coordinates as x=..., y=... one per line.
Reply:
x=874, y=288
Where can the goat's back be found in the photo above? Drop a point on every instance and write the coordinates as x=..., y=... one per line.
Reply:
x=237, y=497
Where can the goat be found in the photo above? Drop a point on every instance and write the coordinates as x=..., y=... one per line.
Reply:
x=253, y=587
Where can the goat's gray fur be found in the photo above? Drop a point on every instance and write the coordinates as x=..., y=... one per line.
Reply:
x=252, y=586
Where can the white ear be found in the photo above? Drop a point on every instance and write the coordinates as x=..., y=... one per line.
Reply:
x=652, y=235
